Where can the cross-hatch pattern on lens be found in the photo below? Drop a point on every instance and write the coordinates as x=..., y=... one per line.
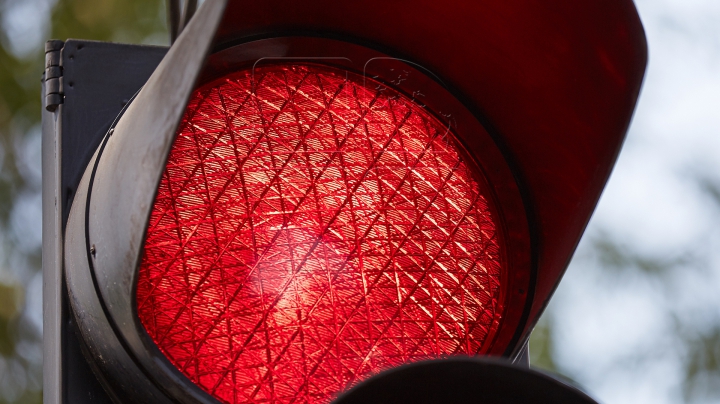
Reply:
x=312, y=228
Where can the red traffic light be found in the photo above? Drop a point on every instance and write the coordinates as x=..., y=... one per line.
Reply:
x=313, y=227
x=320, y=199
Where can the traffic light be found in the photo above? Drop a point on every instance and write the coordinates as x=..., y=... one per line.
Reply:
x=297, y=196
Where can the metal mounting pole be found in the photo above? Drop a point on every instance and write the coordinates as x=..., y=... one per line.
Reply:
x=173, y=19
x=179, y=16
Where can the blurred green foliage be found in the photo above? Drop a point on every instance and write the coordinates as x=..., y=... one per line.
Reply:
x=697, y=347
x=129, y=21
x=541, y=346
x=702, y=366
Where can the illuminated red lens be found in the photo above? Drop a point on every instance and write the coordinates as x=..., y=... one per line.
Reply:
x=312, y=228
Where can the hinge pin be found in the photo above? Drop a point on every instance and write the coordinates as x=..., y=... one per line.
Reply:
x=54, y=95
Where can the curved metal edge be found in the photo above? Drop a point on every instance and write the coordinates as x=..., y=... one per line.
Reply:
x=115, y=370
x=638, y=40
x=120, y=193
x=461, y=380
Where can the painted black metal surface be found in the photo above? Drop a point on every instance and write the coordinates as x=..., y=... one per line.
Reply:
x=99, y=78
x=463, y=381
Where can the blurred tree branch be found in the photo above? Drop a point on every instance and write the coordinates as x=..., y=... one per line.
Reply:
x=697, y=347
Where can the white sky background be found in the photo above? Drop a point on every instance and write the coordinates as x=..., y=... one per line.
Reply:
x=615, y=332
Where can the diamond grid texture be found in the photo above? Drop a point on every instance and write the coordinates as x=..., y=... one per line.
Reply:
x=312, y=228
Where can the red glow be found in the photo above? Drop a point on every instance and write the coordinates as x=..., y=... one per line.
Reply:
x=310, y=230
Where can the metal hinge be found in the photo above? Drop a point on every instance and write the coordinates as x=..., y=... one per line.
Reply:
x=53, y=74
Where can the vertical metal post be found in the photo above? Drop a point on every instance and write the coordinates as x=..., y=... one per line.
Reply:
x=173, y=19
x=52, y=253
